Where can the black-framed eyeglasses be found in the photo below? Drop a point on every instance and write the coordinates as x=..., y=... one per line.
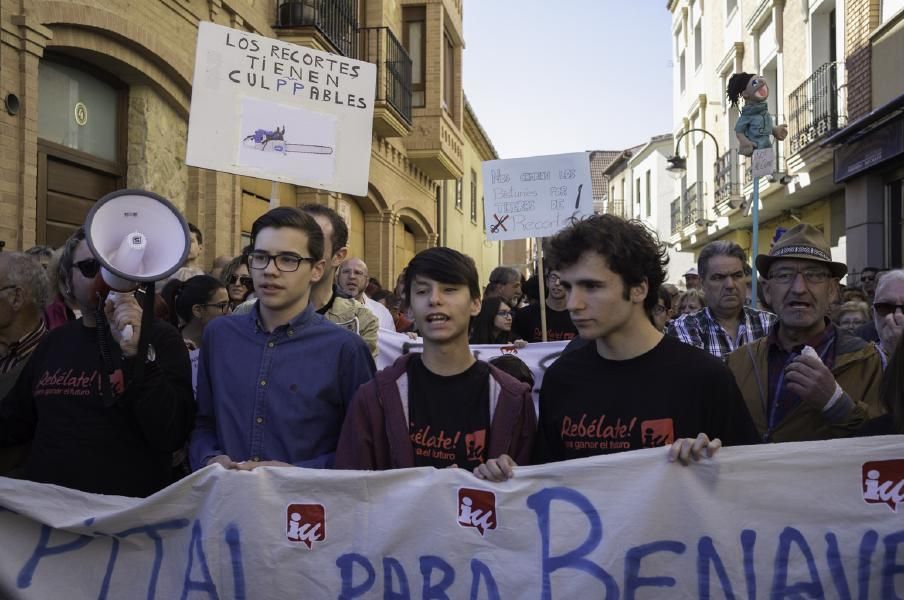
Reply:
x=284, y=261
x=883, y=309
x=505, y=314
x=786, y=276
x=88, y=267
x=243, y=280
x=221, y=306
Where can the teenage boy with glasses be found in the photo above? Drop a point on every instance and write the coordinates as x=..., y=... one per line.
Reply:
x=93, y=429
x=274, y=384
x=806, y=380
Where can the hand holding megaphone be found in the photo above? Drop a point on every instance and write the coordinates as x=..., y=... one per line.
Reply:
x=124, y=315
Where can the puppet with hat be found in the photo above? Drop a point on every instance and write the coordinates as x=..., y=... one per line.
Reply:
x=754, y=127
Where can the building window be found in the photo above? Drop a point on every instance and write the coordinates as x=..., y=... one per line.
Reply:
x=637, y=193
x=458, y=194
x=78, y=110
x=473, y=196
x=649, y=201
x=681, y=68
x=730, y=7
x=698, y=46
x=889, y=8
x=448, y=73
x=415, y=40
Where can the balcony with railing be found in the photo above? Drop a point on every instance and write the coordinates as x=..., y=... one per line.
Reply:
x=616, y=207
x=392, y=103
x=727, y=180
x=817, y=107
x=692, y=208
x=329, y=25
x=675, y=208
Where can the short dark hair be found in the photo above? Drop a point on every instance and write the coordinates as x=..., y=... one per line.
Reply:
x=736, y=86
x=515, y=367
x=340, y=229
x=873, y=269
x=192, y=228
x=630, y=248
x=287, y=216
x=181, y=296
x=444, y=265
x=719, y=248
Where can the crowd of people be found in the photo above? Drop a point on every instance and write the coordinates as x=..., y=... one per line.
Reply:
x=267, y=358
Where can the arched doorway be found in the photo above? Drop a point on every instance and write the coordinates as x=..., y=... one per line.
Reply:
x=81, y=144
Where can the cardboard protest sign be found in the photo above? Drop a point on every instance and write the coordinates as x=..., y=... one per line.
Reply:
x=537, y=196
x=269, y=109
x=803, y=520
x=762, y=162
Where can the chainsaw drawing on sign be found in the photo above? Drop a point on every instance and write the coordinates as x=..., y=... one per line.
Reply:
x=275, y=141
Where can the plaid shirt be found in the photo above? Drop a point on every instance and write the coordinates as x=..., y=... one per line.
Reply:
x=701, y=330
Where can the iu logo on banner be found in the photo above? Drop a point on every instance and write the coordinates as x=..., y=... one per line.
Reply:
x=477, y=509
x=883, y=482
x=306, y=523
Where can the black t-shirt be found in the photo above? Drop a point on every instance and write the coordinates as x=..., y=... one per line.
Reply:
x=77, y=440
x=590, y=405
x=526, y=325
x=449, y=417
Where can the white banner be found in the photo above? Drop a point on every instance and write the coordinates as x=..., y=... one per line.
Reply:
x=536, y=196
x=537, y=356
x=270, y=109
x=807, y=520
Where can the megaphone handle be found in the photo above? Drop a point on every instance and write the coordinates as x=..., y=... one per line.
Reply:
x=128, y=331
x=147, y=321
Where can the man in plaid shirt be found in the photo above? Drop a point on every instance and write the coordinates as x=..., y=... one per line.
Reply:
x=727, y=322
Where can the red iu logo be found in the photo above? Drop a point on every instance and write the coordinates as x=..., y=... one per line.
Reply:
x=477, y=508
x=306, y=523
x=883, y=482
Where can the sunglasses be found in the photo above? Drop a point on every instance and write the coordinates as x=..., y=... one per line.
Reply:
x=243, y=280
x=883, y=309
x=88, y=267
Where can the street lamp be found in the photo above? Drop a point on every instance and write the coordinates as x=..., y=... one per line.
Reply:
x=677, y=167
x=678, y=164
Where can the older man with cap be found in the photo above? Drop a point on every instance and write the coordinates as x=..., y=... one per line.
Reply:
x=888, y=311
x=692, y=279
x=807, y=380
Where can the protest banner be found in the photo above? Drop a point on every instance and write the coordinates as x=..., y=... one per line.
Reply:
x=538, y=356
x=795, y=520
x=270, y=109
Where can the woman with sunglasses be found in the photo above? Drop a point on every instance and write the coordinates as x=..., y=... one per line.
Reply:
x=493, y=324
x=237, y=279
x=193, y=304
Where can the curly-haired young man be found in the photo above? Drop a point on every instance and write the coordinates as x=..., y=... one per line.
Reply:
x=620, y=391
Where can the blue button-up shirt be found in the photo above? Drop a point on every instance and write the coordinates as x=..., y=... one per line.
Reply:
x=279, y=395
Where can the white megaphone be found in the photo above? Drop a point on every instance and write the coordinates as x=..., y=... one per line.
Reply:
x=137, y=237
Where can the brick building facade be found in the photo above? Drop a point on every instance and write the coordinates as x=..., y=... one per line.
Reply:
x=97, y=96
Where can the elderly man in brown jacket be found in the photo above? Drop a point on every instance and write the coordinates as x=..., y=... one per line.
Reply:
x=807, y=380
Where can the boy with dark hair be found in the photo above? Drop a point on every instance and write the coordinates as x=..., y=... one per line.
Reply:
x=443, y=407
x=618, y=391
x=274, y=384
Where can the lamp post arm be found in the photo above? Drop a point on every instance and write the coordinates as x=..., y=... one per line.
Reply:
x=687, y=131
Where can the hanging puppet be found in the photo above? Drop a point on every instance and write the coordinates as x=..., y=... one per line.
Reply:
x=754, y=128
